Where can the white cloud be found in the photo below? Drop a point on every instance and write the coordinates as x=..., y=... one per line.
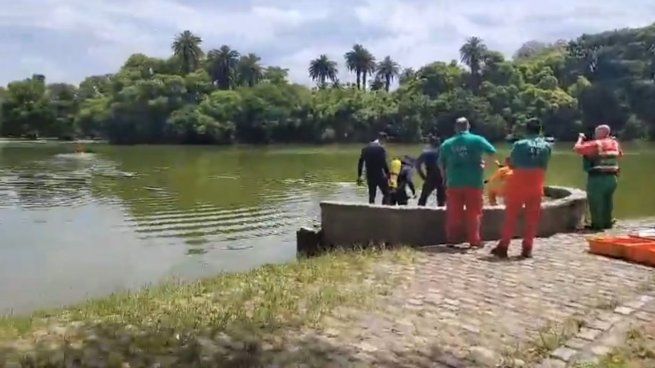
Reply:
x=73, y=38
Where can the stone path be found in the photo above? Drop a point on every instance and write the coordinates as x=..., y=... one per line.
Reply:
x=465, y=309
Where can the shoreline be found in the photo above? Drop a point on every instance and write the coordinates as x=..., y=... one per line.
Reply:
x=352, y=304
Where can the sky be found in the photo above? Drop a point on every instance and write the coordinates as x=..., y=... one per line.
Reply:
x=68, y=40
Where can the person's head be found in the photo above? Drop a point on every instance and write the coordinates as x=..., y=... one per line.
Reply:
x=462, y=125
x=382, y=137
x=602, y=131
x=434, y=141
x=533, y=126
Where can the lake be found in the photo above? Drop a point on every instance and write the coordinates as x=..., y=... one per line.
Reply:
x=79, y=226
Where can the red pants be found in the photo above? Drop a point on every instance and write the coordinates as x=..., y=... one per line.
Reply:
x=523, y=191
x=463, y=212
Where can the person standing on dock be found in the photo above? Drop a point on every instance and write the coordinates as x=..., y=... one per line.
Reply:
x=432, y=179
x=374, y=159
x=524, y=188
x=601, y=162
x=460, y=159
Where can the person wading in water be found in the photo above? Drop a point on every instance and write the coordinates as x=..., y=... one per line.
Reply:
x=374, y=159
x=432, y=179
x=398, y=193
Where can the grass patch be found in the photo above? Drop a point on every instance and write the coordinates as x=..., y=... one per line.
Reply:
x=174, y=318
x=547, y=340
x=638, y=351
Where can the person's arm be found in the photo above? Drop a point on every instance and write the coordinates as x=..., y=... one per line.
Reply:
x=549, y=153
x=487, y=147
x=419, y=166
x=385, y=166
x=360, y=165
x=410, y=183
x=585, y=148
x=442, y=162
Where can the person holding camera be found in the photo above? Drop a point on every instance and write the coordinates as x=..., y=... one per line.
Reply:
x=601, y=162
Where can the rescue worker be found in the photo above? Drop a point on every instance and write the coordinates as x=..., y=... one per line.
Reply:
x=403, y=182
x=524, y=189
x=432, y=179
x=460, y=159
x=496, y=183
x=374, y=158
x=601, y=162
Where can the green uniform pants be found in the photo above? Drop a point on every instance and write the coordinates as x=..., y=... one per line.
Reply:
x=600, y=192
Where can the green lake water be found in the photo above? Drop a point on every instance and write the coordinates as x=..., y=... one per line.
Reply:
x=79, y=226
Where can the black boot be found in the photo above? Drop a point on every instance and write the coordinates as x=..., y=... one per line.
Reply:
x=500, y=252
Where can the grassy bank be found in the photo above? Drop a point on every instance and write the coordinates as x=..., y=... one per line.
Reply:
x=182, y=324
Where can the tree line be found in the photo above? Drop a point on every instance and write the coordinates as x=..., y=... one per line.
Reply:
x=223, y=97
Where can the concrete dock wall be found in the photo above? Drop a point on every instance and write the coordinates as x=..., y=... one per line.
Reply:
x=345, y=224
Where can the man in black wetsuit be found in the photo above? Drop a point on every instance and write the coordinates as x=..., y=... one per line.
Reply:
x=432, y=179
x=374, y=158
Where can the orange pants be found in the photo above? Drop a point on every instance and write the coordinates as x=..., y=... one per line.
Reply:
x=524, y=190
x=463, y=212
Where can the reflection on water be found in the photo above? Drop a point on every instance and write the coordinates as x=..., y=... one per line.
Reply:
x=80, y=225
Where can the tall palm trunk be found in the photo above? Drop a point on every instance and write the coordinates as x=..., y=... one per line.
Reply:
x=387, y=85
x=364, y=81
x=359, y=73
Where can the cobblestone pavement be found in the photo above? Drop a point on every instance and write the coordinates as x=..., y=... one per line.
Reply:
x=465, y=309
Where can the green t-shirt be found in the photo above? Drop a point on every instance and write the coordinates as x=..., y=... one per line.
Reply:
x=531, y=153
x=461, y=156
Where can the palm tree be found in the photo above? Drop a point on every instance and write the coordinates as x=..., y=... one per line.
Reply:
x=222, y=65
x=407, y=75
x=472, y=54
x=186, y=47
x=322, y=69
x=387, y=70
x=250, y=72
x=378, y=83
x=362, y=62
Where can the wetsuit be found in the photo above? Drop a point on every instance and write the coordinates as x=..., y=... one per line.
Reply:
x=601, y=164
x=524, y=189
x=432, y=179
x=461, y=157
x=374, y=158
x=399, y=195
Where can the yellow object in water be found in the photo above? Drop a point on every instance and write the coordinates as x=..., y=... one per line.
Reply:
x=394, y=171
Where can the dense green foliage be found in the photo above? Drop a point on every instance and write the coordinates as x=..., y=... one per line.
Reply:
x=224, y=97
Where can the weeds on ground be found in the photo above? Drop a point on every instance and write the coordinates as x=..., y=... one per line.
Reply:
x=259, y=301
x=638, y=351
x=547, y=340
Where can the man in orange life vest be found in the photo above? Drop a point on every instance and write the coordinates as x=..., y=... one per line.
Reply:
x=601, y=162
x=524, y=188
